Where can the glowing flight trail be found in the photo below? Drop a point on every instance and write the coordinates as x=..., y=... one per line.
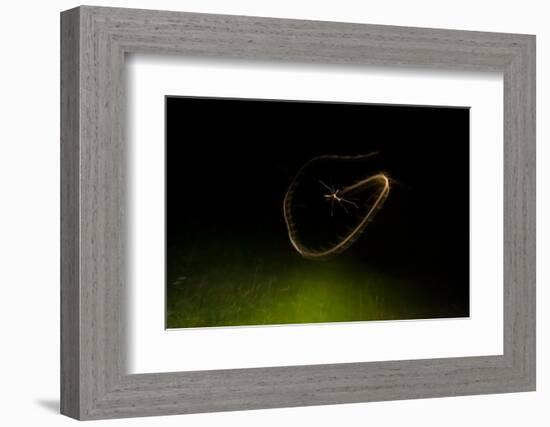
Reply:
x=339, y=197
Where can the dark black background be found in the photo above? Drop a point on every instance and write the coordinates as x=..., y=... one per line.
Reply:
x=229, y=163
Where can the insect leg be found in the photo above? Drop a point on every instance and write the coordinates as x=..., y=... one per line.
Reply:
x=350, y=202
x=326, y=186
x=343, y=207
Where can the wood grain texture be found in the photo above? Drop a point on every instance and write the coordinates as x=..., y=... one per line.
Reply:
x=94, y=381
x=70, y=315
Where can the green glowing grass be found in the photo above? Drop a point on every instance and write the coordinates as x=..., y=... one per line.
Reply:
x=204, y=291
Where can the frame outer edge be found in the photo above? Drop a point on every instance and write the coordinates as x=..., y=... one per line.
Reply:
x=70, y=396
x=532, y=255
x=520, y=216
x=529, y=170
x=89, y=369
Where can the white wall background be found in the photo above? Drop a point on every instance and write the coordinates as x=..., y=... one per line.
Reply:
x=29, y=212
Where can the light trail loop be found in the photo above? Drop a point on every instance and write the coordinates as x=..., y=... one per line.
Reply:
x=338, y=197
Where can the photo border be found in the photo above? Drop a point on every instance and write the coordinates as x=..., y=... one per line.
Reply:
x=94, y=42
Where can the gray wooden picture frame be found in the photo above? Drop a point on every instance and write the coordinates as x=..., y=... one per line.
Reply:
x=94, y=382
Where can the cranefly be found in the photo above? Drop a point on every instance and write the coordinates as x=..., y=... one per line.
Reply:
x=337, y=197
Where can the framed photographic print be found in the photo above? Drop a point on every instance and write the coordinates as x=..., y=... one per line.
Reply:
x=263, y=213
x=314, y=223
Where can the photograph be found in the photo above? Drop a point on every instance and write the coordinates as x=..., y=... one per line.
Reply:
x=286, y=212
x=266, y=209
